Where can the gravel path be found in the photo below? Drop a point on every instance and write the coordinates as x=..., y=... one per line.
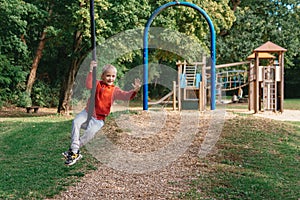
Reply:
x=166, y=180
x=287, y=115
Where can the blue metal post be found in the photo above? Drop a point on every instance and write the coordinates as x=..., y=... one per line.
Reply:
x=212, y=51
x=145, y=54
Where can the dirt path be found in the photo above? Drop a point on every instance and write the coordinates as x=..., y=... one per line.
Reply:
x=162, y=157
x=287, y=115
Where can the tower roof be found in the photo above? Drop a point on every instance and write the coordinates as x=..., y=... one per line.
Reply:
x=269, y=47
x=262, y=55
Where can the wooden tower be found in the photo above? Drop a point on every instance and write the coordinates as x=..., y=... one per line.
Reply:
x=266, y=78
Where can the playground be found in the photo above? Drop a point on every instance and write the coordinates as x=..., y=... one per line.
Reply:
x=241, y=161
x=191, y=146
x=187, y=177
x=261, y=76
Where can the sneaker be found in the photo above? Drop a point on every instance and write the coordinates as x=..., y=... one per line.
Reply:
x=72, y=158
x=67, y=153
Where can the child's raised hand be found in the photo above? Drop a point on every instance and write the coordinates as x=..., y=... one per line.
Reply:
x=137, y=84
x=92, y=65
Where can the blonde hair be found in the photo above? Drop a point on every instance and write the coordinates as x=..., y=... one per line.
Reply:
x=108, y=67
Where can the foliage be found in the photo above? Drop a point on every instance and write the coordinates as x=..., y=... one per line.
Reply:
x=43, y=95
x=13, y=51
x=240, y=29
x=24, y=100
x=258, y=22
x=12, y=30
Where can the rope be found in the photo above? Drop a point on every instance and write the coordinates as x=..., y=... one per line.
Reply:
x=93, y=91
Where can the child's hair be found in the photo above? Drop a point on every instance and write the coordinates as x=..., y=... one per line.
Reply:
x=108, y=67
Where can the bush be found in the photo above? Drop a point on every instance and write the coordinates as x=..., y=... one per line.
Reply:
x=44, y=95
x=24, y=100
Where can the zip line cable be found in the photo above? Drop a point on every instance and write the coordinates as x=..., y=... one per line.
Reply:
x=93, y=91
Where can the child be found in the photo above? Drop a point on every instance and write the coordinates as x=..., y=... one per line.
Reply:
x=106, y=93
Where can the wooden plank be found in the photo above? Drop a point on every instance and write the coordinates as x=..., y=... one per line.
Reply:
x=174, y=95
x=231, y=64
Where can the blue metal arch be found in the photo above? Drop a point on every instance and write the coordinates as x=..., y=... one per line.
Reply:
x=212, y=50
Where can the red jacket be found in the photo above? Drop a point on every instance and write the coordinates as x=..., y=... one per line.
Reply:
x=105, y=96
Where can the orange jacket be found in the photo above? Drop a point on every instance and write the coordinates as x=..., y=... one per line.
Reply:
x=105, y=96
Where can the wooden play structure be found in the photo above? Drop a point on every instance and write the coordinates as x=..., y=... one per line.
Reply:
x=266, y=78
x=190, y=89
x=193, y=91
x=262, y=74
x=192, y=79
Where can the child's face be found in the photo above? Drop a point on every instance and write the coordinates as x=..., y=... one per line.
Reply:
x=109, y=77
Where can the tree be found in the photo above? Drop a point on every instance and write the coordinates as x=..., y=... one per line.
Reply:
x=257, y=22
x=81, y=46
x=13, y=49
x=39, y=50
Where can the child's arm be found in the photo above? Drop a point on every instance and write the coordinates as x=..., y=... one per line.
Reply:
x=89, y=78
x=127, y=95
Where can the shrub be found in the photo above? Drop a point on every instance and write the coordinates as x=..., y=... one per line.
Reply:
x=44, y=95
x=24, y=100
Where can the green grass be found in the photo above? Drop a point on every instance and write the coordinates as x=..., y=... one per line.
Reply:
x=257, y=159
x=292, y=104
x=31, y=165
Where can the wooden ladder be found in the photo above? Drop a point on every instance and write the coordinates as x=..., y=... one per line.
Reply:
x=190, y=72
x=269, y=89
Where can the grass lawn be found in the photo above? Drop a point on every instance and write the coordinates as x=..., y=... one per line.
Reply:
x=255, y=159
x=31, y=165
x=292, y=104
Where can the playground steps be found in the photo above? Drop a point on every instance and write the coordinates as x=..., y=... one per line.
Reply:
x=192, y=85
x=190, y=91
x=270, y=95
x=190, y=72
x=269, y=88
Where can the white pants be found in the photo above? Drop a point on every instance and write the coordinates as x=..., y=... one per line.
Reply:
x=93, y=127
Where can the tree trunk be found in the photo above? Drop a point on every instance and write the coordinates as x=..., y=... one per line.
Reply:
x=235, y=4
x=67, y=87
x=37, y=58
x=35, y=63
x=68, y=84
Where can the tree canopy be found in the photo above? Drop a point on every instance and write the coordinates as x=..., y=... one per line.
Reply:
x=54, y=36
